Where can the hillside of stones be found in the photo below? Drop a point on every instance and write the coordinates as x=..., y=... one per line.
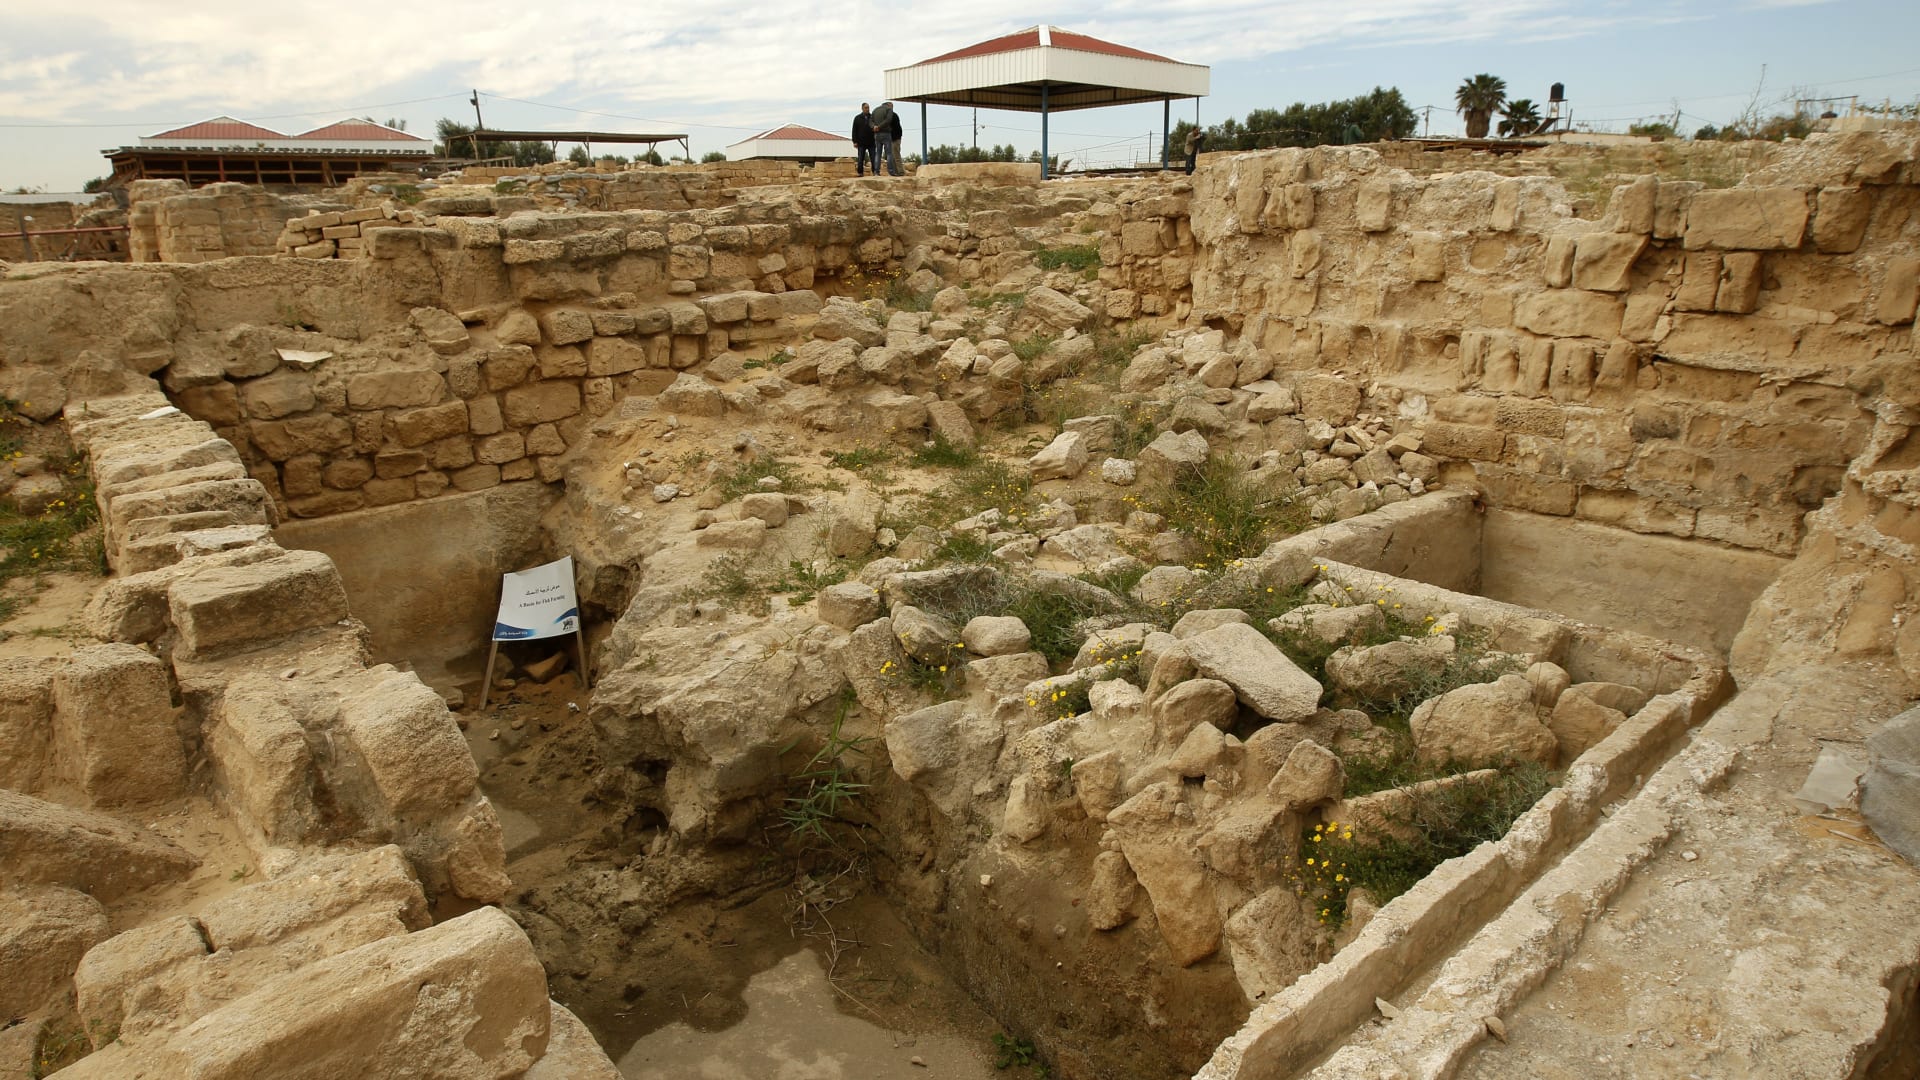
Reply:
x=1115, y=540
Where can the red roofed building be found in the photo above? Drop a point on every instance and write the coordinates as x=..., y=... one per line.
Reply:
x=224, y=148
x=792, y=142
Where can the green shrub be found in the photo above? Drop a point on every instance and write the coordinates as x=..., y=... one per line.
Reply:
x=1070, y=257
x=944, y=455
x=1229, y=518
x=1034, y=346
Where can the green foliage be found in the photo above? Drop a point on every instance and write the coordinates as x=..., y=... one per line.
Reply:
x=59, y=1046
x=98, y=183
x=1438, y=822
x=456, y=141
x=745, y=478
x=1477, y=99
x=1382, y=114
x=52, y=539
x=1072, y=257
x=1011, y=1053
x=1520, y=117
x=860, y=457
x=735, y=579
x=944, y=455
x=407, y=194
x=945, y=154
x=712, y=156
x=1034, y=346
x=1658, y=129
x=1229, y=518
x=828, y=787
x=964, y=547
x=1116, y=349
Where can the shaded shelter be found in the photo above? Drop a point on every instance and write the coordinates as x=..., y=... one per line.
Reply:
x=584, y=138
x=1045, y=69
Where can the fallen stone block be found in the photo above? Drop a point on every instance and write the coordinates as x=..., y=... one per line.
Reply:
x=114, y=735
x=572, y=1053
x=44, y=843
x=1260, y=674
x=412, y=749
x=44, y=931
x=26, y=720
x=259, y=755
x=228, y=609
x=124, y=962
x=464, y=1000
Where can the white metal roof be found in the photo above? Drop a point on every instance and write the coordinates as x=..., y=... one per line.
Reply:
x=1078, y=72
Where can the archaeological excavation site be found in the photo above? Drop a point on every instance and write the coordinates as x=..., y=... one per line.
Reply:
x=1360, y=612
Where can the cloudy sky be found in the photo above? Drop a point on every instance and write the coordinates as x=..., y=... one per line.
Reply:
x=104, y=73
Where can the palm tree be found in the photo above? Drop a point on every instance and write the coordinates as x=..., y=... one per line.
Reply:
x=1478, y=99
x=1522, y=118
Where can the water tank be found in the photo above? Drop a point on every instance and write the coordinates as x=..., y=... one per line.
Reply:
x=1557, y=93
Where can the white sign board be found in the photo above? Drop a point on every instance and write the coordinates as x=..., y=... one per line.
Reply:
x=537, y=603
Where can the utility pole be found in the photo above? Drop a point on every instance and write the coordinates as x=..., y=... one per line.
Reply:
x=976, y=129
x=473, y=141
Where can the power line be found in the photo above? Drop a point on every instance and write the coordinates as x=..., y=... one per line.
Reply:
x=274, y=116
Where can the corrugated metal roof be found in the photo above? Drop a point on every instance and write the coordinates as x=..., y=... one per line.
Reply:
x=1030, y=38
x=356, y=130
x=220, y=127
x=796, y=131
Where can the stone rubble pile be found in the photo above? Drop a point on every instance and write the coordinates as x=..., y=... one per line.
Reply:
x=342, y=233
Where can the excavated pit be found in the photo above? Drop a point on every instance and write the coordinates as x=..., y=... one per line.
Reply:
x=1579, y=508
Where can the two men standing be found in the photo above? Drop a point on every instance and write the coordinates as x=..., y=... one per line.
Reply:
x=876, y=138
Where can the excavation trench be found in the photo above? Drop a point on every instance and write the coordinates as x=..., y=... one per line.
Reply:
x=908, y=937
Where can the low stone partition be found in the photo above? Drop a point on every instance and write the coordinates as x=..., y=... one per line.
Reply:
x=1291, y=1029
x=307, y=744
x=169, y=223
x=323, y=235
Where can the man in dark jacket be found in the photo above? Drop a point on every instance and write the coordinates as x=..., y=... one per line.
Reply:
x=886, y=139
x=863, y=142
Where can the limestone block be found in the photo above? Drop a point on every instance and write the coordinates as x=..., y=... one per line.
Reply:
x=44, y=843
x=1890, y=787
x=113, y=734
x=746, y=535
x=949, y=421
x=517, y=327
x=463, y=1000
x=1263, y=678
x=769, y=507
x=1426, y=256
x=123, y=962
x=541, y=403
x=1570, y=313
x=1296, y=201
x=1389, y=671
x=26, y=720
x=995, y=635
x=848, y=605
x=1899, y=291
x=1758, y=219
x=277, y=395
x=1634, y=205
x=1840, y=219
x=564, y=326
x=1062, y=459
x=572, y=1053
x=1549, y=681
x=1670, y=202
x=44, y=932
x=1111, y=893
x=1303, y=252
x=1505, y=214
x=1579, y=722
x=443, y=331
x=394, y=389
x=1483, y=724
x=231, y=608
x=413, y=750
x=1604, y=262
x=245, y=499
x=1373, y=203
x=1171, y=451
x=1056, y=309
x=259, y=754
x=1170, y=871
x=925, y=636
x=1739, y=291
x=614, y=356
x=693, y=396
x=1311, y=776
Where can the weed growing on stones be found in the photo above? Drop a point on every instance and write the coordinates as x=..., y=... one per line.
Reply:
x=828, y=787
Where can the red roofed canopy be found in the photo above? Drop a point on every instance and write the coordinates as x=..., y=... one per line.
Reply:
x=220, y=129
x=1045, y=68
x=356, y=130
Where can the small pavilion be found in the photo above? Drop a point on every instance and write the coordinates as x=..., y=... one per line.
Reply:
x=1045, y=69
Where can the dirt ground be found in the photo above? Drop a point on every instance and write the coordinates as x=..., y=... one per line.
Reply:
x=50, y=605
x=737, y=964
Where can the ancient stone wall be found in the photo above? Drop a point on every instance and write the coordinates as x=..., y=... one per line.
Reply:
x=57, y=215
x=1688, y=365
x=170, y=224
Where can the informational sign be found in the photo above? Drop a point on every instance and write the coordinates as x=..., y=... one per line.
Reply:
x=537, y=603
